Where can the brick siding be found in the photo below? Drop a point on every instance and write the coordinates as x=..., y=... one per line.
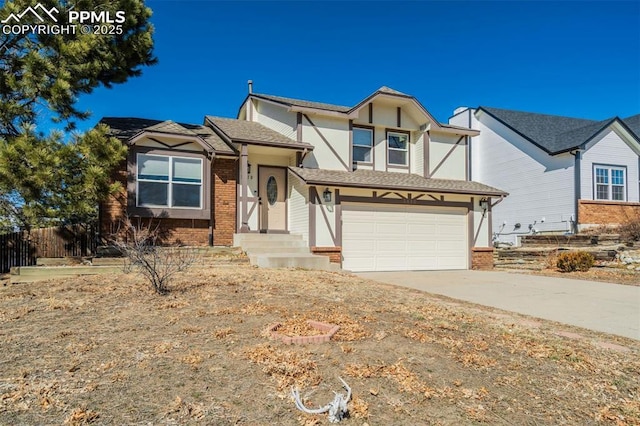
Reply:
x=192, y=232
x=606, y=212
x=482, y=258
x=334, y=253
x=225, y=172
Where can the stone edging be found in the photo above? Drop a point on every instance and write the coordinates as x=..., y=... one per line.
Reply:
x=329, y=329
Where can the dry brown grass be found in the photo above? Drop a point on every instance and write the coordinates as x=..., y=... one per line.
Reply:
x=106, y=350
x=607, y=275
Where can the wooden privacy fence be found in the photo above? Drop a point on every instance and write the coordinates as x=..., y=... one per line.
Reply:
x=22, y=249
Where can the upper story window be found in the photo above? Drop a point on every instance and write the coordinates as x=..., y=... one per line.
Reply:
x=397, y=149
x=610, y=183
x=362, y=145
x=168, y=181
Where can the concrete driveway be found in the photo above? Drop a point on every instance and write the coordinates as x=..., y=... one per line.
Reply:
x=611, y=308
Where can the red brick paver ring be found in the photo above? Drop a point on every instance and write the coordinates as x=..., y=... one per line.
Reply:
x=328, y=329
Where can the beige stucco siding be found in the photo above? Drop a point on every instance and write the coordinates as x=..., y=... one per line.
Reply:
x=331, y=130
x=442, y=166
x=298, y=207
x=325, y=221
x=277, y=117
x=481, y=226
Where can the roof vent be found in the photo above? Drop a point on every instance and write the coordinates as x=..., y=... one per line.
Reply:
x=250, y=83
x=459, y=110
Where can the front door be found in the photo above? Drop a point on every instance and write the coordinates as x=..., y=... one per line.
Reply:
x=273, y=199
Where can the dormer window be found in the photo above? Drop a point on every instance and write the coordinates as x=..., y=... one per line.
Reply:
x=362, y=145
x=397, y=149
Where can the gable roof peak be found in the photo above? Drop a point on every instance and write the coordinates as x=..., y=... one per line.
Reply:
x=389, y=90
x=554, y=134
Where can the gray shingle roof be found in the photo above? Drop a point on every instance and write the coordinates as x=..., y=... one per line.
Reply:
x=576, y=137
x=393, y=181
x=170, y=127
x=302, y=103
x=389, y=90
x=553, y=133
x=250, y=131
x=322, y=105
x=124, y=128
x=541, y=129
x=634, y=124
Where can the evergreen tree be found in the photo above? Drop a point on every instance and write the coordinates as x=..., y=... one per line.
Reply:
x=44, y=178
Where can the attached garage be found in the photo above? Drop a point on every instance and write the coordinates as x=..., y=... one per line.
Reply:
x=400, y=238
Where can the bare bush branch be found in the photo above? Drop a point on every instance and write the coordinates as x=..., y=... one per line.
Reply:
x=141, y=245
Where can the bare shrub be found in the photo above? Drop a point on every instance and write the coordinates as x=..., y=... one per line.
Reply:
x=551, y=259
x=630, y=228
x=141, y=245
x=575, y=261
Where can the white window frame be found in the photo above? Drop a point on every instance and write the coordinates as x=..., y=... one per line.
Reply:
x=354, y=145
x=169, y=182
x=609, y=183
x=389, y=149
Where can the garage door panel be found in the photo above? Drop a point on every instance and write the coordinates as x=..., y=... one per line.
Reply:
x=422, y=263
x=453, y=262
x=361, y=227
x=387, y=228
x=392, y=263
x=424, y=246
x=392, y=238
x=419, y=229
x=362, y=263
x=452, y=246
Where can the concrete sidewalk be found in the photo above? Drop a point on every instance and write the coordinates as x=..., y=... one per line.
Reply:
x=610, y=308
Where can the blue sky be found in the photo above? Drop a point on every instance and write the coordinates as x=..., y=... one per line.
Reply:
x=572, y=58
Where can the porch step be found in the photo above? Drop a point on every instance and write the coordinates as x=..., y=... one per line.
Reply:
x=267, y=249
x=281, y=251
x=240, y=239
x=291, y=260
x=276, y=245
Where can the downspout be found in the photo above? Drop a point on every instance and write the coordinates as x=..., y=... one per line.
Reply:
x=577, y=189
x=469, y=156
x=212, y=194
x=244, y=186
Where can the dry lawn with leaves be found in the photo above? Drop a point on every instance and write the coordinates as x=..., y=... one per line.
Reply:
x=606, y=275
x=107, y=350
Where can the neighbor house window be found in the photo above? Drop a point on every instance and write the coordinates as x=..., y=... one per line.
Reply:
x=397, y=149
x=166, y=181
x=362, y=145
x=610, y=183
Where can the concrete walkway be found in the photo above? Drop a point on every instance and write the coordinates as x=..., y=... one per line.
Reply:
x=610, y=308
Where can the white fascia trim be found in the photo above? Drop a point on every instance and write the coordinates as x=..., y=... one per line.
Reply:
x=318, y=111
x=146, y=133
x=461, y=132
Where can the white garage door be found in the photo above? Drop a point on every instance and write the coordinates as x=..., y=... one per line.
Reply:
x=376, y=238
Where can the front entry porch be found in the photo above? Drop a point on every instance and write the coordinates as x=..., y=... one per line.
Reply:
x=281, y=251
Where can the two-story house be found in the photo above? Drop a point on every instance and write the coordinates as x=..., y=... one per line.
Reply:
x=381, y=185
x=563, y=174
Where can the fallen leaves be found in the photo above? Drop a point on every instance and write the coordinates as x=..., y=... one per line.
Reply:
x=81, y=416
x=288, y=367
x=124, y=355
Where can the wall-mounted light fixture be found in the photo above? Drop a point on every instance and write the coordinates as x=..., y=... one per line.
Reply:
x=484, y=203
x=248, y=168
x=326, y=195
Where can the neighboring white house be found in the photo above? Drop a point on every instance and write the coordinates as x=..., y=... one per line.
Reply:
x=382, y=184
x=562, y=174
